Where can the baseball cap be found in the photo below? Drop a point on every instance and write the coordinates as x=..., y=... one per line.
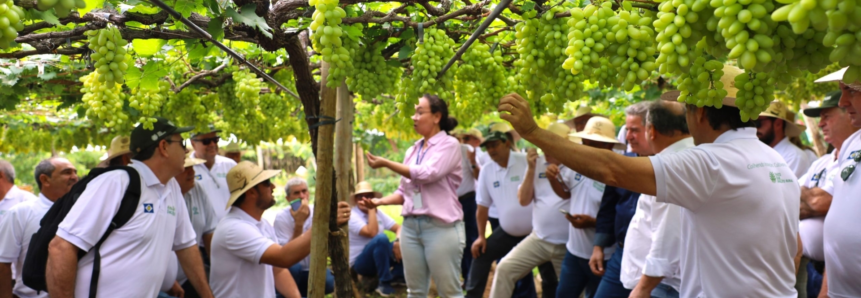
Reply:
x=830, y=101
x=498, y=132
x=143, y=138
x=210, y=129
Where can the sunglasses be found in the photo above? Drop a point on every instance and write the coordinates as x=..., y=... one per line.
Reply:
x=181, y=142
x=208, y=141
x=759, y=123
x=467, y=138
x=847, y=171
x=365, y=196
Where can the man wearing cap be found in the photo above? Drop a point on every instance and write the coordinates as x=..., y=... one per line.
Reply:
x=581, y=116
x=498, y=183
x=134, y=258
x=735, y=192
x=650, y=263
x=817, y=184
x=774, y=129
x=233, y=151
x=246, y=259
x=584, y=199
x=55, y=177
x=545, y=246
x=10, y=195
x=212, y=175
x=371, y=253
x=118, y=153
x=840, y=233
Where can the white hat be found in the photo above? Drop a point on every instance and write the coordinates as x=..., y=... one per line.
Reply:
x=837, y=76
x=232, y=147
x=779, y=110
x=600, y=129
x=119, y=146
x=192, y=161
x=243, y=177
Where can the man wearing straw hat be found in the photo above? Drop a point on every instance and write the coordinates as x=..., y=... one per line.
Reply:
x=118, y=153
x=841, y=235
x=735, y=192
x=584, y=199
x=212, y=175
x=233, y=151
x=371, y=253
x=774, y=128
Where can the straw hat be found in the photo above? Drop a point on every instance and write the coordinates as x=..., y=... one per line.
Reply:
x=728, y=80
x=600, y=129
x=365, y=187
x=779, y=110
x=837, y=76
x=232, y=147
x=192, y=161
x=473, y=132
x=582, y=111
x=243, y=177
x=562, y=130
x=791, y=115
x=119, y=146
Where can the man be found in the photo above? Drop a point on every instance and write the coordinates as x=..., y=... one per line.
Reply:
x=55, y=178
x=118, y=153
x=581, y=116
x=617, y=208
x=290, y=225
x=498, y=183
x=212, y=175
x=735, y=192
x=233, y=151
x=842, y=260
x=466, y=194
x=11, y=195
x=547, y=241
x=817, y=184
x=371, y=253
x=650, y=263
x=134, y=258
x=584, y=199
x=774, y=129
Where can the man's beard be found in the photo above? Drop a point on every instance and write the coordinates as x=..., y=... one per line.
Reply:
x=768, y=137
x=266, y=204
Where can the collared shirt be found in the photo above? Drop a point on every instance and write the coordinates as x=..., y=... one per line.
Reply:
x=499, y=187
x=796, y=158
x=284, y=225
x=842, y=236
x=653, y=242
x=482, y=158
x=359, y=220
x=585, y=199
x=202, y=216
x=740, y=216
x=13, y=197
x=18, y=226
x=237, y=247
x=136, y=255
x=820, y=175
x=214, y=182
x=547, y=222
x=468, y=184
x=434, y=178
x=617, y=208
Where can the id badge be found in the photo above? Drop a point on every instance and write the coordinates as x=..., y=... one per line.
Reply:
x=417, y=200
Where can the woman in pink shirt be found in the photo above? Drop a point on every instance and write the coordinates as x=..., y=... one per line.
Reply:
x=432, y=237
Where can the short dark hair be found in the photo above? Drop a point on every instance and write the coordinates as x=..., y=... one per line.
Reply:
x=726, y=115
x=45, y=167
x=437, y=105
x=117, y=161
x=239, y=201
x=146, y=153
x=666, y=121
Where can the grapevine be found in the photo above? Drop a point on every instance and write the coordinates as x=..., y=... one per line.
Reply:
x=103, y=101
x=480, y=79
x=109, y=54
x=371, y=75
x=327, y=39
x=10, y=22
x=148, y=102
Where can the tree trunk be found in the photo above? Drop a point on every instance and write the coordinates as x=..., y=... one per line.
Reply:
x=324, y=193
x=338, y=241
x=305, y=84
x=360, y=163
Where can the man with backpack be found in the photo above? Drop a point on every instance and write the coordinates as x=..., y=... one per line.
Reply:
x=53, y=177
x=133, y=258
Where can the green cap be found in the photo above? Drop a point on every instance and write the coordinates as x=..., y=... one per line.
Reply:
x=142, y=138
x=830, y=101
x=494, y=136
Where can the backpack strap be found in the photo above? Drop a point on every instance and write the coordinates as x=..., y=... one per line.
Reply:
x=128, y=206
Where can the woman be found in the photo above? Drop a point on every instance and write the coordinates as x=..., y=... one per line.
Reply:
x=432, y=236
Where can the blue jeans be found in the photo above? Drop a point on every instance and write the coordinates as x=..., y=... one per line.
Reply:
x=377, y=259
x=432, y=249
x=576, y=277
x=525, y=287
x=814, y=280
x=301, y=278
x=611, y=284
x=470, y=226
x=664, y=291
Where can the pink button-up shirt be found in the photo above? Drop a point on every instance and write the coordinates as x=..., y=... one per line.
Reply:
x=436, y=175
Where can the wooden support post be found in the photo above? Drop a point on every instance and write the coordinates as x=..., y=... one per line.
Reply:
x=338, y=241
x=360, y=163
x=324, y=190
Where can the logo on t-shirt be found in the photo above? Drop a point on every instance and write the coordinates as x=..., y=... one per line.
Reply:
x=578, y=177
x=495, y=184
x=148, y=208
x=194, y=211
x=171, y=210
x=855, y=154
x=198, y=177
x=542, y=175
x=775, y=178
x=2, y=212
x=515, y=178
x=816, y=177
x=221, y=175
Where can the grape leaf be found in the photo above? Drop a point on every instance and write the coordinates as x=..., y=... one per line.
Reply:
x=147, y=47
x=91, y=4
x=146, y=79
x=216, y=28
x=248, y=17
x=405, y=52
x=184, y=7
x=48, y=16
x=352, y=32
x=47, y=75
x=527, y=6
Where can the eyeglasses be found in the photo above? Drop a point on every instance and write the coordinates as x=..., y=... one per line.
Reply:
x=181, y=142
x=847, y=171
x=759, y=123
x=208, y=141
x=467, y=138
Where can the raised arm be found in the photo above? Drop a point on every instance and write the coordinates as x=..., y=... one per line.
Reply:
x=526, y=193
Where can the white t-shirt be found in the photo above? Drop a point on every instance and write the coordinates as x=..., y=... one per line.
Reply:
x=359, y=220
x=653, y=242
x=214, y=182
x=13, y=197
x=284, y=224
x=237, y=246
x=795, y=158
x=585, y=199
x=547, y=223
x=842, y=236
x=810, y=229
x=202, y=216
x=135, y=256
x=482, y=158
x=18, y=226
x=499, y=187
x=468, y=184
x=739, y=218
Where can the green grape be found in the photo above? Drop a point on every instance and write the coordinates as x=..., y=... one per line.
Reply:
x=739, y=24
x=109, y=54
x=148, y=102
x=62, y=8
x=680, y=25
x=702, y=85
x=428, y=59
x=755, y=92
x=104, y=102
x=10, y=22
x=240, y=99
x=327, y=39
x=479, y=82
x=371, y=75
x=803, y=88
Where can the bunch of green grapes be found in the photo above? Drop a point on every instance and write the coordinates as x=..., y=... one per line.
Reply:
x=327, y=40
x=755, y=93
x=746, y=30
x=588, y=32
x=479, y=83
x=10, y=22
x=702, y=86
x=799, y=52
x=240, y=99
x=680, y=25
x=632, y=52
x=148, y=102
x=247, y=86
x=103, y=101
x=62, y=8
x=428, y=59
x=109, y=54
x=371, y=75
x=530, y=50
x=804, y=14
x=186, y=107
x=803, y=88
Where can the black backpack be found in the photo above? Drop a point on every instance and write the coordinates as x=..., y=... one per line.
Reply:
x=36, y=260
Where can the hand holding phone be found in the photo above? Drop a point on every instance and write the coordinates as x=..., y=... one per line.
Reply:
x=564, y=211
x=295, y=204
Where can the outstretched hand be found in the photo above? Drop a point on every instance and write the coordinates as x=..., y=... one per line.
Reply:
x=514, y=109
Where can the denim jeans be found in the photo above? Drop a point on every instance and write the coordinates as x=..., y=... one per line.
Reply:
x=377, y=259
x=664, y=291
x=611, y=285
x=470, y=227
x=576, y=277
x=301, y=278
x=432, y=249
x=814, y=280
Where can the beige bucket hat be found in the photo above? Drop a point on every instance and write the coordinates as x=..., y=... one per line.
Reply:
x=562, y=130
x=600, y=129
x=119, y=146
x=365, y=187
x=232, y=147
x=191, y=161
x=582, y=111
x=243, y=177
x=778, y=110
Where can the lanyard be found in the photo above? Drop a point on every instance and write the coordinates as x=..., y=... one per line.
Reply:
x=419, y=155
